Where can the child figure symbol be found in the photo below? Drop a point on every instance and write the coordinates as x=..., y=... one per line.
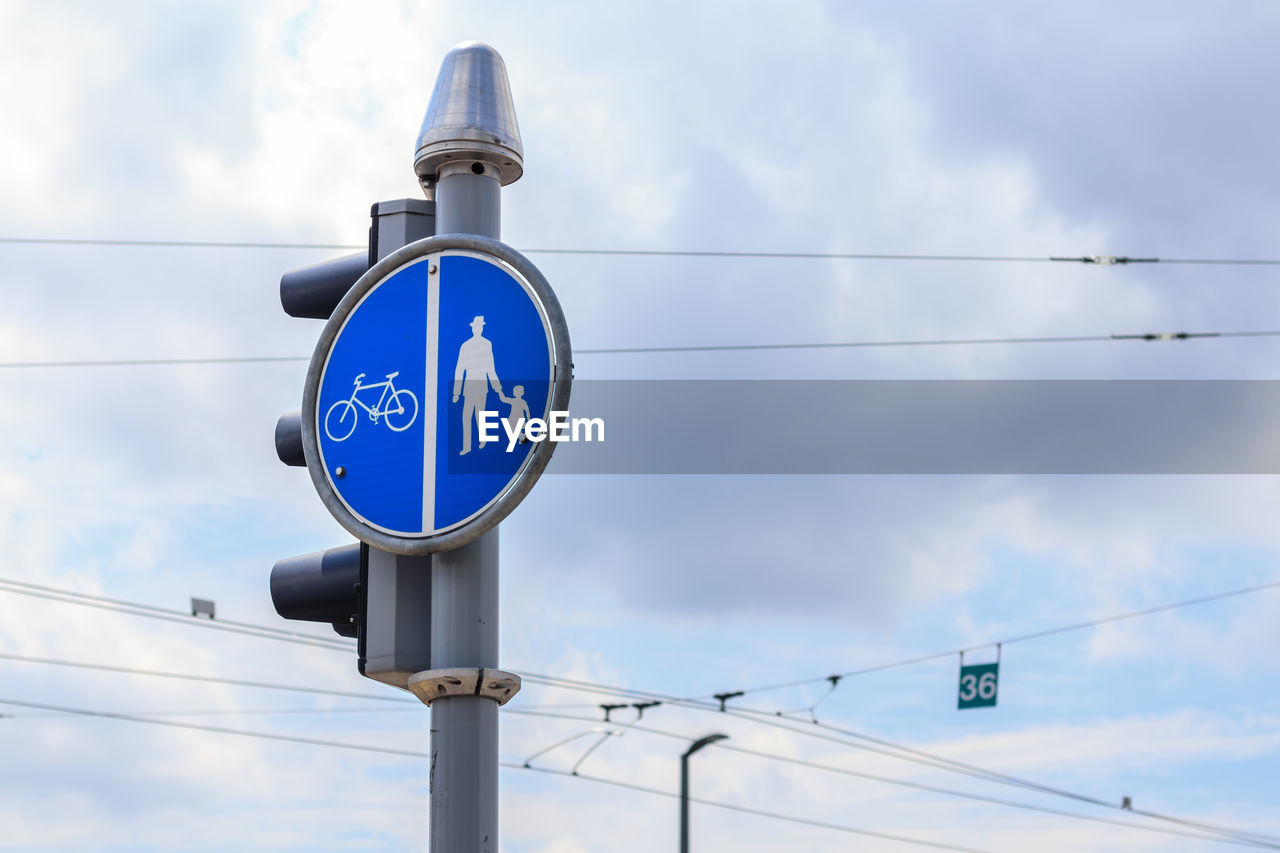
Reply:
x=519, y=411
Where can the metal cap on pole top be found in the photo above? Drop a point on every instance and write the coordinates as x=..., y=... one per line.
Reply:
x=471, y=117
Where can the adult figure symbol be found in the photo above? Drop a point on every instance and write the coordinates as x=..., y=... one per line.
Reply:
x=473, y=377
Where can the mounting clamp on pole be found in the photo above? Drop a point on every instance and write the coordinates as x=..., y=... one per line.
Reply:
x=432, y=684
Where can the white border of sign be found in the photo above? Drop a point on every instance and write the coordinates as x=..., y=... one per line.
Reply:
x=562, y=374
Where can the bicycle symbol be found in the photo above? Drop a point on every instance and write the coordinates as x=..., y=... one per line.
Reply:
x=398, y=413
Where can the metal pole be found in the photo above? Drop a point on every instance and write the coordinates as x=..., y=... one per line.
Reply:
x=464, y=611
x=684, y=803
x=684, y=786
x=468, y=149
x=464, y=729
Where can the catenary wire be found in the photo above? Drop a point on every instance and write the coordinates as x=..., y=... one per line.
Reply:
x=1059, y=339
x=169, y=610
x=1100, y=260
x=261, y=631
x=744, y=809
x=167, y=614
x=141, y=362
x=395, y=699
x=135, y=718
x=209, y=679
x=950, y=792
x=768, y=718
x=208, y=712
x=889, y=748
x=983, y=775
x=177, y=244
x=906, y=343
x=183, y=620
x=896, y=751
x=415, y=754
x=1035, y=635
x=929, y=759
x=1009, y=779
x=521, y=711
x=922, y=342
x=534, y=678
x=880, y=746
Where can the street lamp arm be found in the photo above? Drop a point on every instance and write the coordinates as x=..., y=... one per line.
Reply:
x=703, y=741
x=684, y=785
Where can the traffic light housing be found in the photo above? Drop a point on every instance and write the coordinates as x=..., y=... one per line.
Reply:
x=383, y=600
x=314, y=291
x=326, y=586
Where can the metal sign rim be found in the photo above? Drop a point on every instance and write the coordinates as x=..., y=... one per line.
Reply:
x=515, y=492
x=429, y=258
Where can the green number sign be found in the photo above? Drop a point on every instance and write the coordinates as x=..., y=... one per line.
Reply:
x=978, y=685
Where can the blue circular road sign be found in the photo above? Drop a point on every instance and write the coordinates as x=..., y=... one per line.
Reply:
x=416, y=391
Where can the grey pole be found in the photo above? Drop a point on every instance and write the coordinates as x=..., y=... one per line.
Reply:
x=468, y=149
x=464, y=729
x=684, y=786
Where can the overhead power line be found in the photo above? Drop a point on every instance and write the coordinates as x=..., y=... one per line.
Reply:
x=530, y=677
x=140, y=362
x=66, y=596
x=905, y=783
x=1101, y=260
x=137, y=718
x=846, y=737
x=216, y=712
x=166, y=614
x=529, y=712
x=922, y=342
x=209, y=679
x=881, y=746
x=934, y=342
x=176, y=724
x=923, y=757
x=1256, y=839
x=176, y=244
x=885, y=747
x=744, y=809
x=1007, y=641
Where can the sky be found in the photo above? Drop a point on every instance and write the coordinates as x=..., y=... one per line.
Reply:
x=1004, y=129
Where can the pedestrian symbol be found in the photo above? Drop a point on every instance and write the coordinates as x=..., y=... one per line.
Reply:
x=473, y=376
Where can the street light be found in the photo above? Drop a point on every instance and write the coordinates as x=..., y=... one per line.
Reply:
x=684, y=786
